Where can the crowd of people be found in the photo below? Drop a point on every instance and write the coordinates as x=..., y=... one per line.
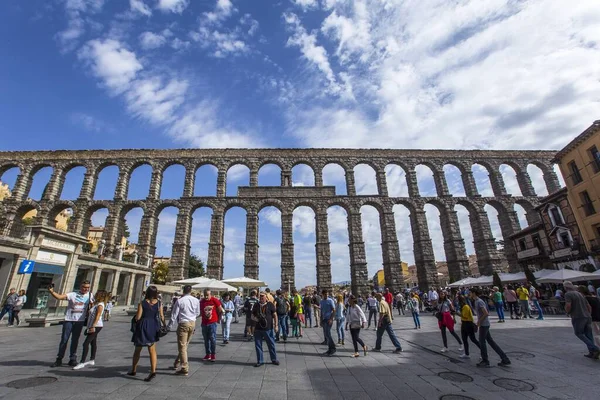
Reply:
x=277, y=318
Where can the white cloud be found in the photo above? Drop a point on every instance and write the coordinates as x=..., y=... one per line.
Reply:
x=304, y=221
x=178, y=44
x=222, y=44
x=251, y=23
x=306, y=4
x=138, y=6
x=223, y=10
x=76, y=11
x=175, y=6
x=90, y=122
x=150, y=40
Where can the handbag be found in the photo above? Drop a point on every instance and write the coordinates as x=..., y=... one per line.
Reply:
x=162, y=331
x=439, y=316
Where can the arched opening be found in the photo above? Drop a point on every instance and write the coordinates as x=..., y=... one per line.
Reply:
x=395, y=177
x=238, y=175
x=269, y=250
x=205, y=181
x=522, y=216
x=425, y=181
x=481, y=176
x=201, y=221
x=561, y=179
x=128, y=237
x=305, y=262
x=492, y=214
x=8, y=178
x=233, y=242
x=61, y=218
x=173, y=180
x=269, y=175
x=139, y=182
x=94, y=230
x=464, y=224
x=25, y=216
x=365, y=180
x=337, y=223
x=73, y=183
x=454, y=180
x=106, y=183
x=406, y=245
x=335, y=175
x=303, y=175
x=371, y=231
x=537, y=180
x=437, y=241
x=41, y=179
x=165, y=236
x=509, y=176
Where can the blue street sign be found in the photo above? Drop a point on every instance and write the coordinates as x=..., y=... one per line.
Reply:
x=26, y=267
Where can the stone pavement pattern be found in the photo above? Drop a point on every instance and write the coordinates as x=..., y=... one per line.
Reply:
x=550, y=363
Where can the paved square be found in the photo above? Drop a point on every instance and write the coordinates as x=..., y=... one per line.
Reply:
x=546, y=357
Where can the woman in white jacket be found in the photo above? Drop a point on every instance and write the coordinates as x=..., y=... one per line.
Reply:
x=356, y=320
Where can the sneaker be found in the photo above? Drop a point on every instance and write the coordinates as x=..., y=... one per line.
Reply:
x=444, y=349
x=212, y=358
x=57, y=363
x=483, y=364
x=181, y=372
x=461, y=348
x=206, y=358
x=73, y=363
x=324, y=342
x=504, y=363
x=79, y=366
x=398, y=350
x=376, y=350
x=596, y=354
x=589, y=355
x=276, y=362
x=465, y=356
x=90, y=363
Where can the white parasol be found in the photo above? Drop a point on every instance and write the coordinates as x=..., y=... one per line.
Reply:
x=245, y=282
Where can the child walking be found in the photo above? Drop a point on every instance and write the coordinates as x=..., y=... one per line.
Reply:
x=94, y=327
x=294, y=321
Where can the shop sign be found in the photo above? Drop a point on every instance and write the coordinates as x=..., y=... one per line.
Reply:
x=56, y=244
x=26, y=267
x=53, y=258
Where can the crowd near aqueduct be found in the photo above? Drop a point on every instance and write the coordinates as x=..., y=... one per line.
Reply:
x=286, y=198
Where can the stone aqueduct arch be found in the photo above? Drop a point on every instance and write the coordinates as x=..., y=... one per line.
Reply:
x=286, y=198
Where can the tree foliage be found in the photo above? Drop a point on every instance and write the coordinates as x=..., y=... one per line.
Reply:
x=126, y=232
x=196, y=267
x=159, y=273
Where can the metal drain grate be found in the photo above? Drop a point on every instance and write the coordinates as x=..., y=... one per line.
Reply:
x=31, y=382
x=516, y=385
x=455, y=377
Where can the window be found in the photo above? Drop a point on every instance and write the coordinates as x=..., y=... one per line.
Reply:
x=595, y=156
x=556, y=216
x=587, y=204
x=575, y=173
x=597, y=230
x=565, y=238
x=536, y=241
x=522, y=244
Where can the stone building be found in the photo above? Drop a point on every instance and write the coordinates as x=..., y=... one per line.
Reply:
x=579, y=163
x=286, y=198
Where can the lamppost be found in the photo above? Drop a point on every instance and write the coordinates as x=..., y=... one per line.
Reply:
x=288, y=282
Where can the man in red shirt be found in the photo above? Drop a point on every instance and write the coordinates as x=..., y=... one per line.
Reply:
x=210, y=309
x=389, y=298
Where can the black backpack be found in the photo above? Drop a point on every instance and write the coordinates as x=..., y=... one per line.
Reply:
x=281, y=306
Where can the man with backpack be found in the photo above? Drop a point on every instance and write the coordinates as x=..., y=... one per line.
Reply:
x=534, y=296
x=282, y=307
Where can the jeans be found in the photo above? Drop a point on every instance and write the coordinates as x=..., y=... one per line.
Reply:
x=445, y=337
x=185, y=331
x=536, y=303
x=525, y=308
x=500, y=310
x=415, y=316
x=583, y=330
x=259, y=335
x=73, y=330
x=327, y=335
x=339, y=327
x=467, y=331
x=372, y=313
x=308, y=316
x=512, y=306
x=390, y=331
x=7, y=309
x=90, y=341
x=209, y=333
x=356, y=340
x=484, y=339
x=236, y=312
x=283, y=327
x=226, y=326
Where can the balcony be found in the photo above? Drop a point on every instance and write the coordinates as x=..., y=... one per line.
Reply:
x=528, y=253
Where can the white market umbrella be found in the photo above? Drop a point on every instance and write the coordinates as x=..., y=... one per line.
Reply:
x=192, y=281
x=566, y=275
x=244, y=282
x=516, y=277
x=214, y=285
x=543, y=272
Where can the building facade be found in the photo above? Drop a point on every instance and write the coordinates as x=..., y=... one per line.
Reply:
x=579, y=163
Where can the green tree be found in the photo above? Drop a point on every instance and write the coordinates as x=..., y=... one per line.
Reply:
x=196, y=267
x=126, y=232
x=159, y=273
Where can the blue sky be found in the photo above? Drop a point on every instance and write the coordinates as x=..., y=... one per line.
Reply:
x=78, y=74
